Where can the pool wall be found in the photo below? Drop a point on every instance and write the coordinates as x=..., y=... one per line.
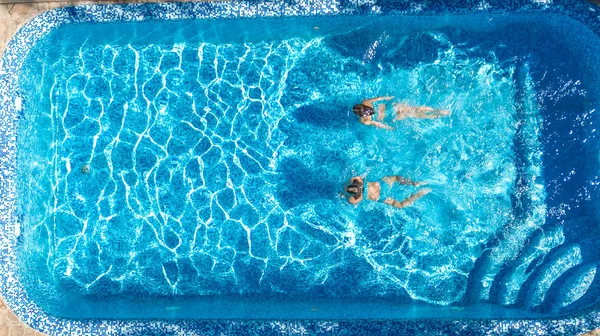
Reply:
x=10, y=103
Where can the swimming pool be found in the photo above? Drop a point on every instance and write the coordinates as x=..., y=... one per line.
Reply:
x=173, y=168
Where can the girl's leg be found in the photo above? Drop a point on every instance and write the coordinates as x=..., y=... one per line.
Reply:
x=408, y=201
x=402, y=180
x=403, y=111
x=430, y=113
x=420, y=112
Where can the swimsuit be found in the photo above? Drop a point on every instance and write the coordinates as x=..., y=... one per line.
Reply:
x=385, y=191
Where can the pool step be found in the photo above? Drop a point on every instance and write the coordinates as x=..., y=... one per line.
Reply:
x=571, y=287
x=558, y=261
x=509, y=282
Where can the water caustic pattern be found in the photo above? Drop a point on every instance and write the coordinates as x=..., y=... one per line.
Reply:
x=197, y=169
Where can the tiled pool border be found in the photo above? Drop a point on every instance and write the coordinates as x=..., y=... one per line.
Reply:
x=10, y=65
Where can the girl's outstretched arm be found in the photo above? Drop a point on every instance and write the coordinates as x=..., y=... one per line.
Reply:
x=378, y=124
x=369, y=102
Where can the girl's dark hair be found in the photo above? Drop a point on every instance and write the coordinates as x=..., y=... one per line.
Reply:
x=362, y=110
x=354, y=189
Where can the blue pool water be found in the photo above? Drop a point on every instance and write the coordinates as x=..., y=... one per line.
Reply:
x=187, y=164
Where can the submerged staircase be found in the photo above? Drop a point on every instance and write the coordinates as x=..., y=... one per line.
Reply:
x=529, y=265
x=547, y=276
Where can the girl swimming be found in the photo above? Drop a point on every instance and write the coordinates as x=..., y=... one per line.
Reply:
x=381, y=191
x=376, y=117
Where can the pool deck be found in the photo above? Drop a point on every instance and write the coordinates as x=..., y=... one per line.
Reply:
x=13, y=15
